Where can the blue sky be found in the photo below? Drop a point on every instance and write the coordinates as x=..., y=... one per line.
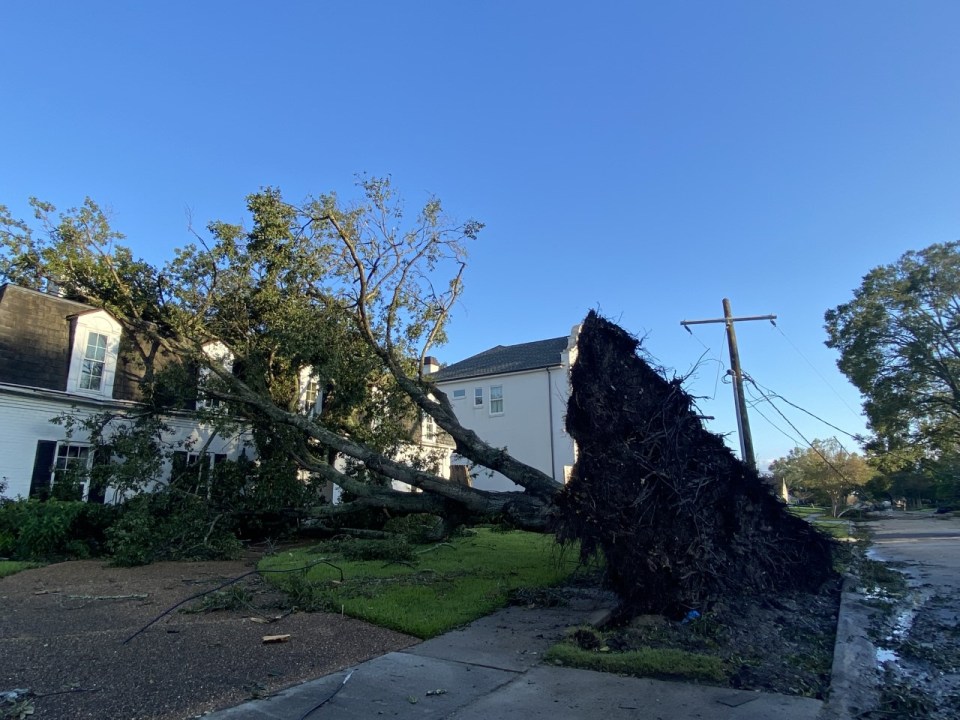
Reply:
x=643, y=159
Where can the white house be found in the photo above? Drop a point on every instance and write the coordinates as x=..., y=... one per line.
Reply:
x=515, y=397
x=60, y=356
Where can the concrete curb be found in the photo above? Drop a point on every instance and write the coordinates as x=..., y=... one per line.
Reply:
x=855, y=682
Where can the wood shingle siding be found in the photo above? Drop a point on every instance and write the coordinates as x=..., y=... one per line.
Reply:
x=35, y=342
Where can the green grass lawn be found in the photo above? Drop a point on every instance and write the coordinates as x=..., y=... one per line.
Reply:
x=666, y=663
x=840, y=529
x=807, y=510
x=820, y=516
x=445, y=586
x=9, y=567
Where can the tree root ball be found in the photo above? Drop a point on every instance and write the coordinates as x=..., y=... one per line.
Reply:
x=679, y=521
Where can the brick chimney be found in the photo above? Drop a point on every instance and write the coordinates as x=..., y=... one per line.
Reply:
x=430, y=365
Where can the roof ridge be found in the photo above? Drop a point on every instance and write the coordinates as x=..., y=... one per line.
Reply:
x=504, y=359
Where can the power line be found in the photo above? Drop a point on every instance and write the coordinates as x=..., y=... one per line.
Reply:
x=718, y=360
x=811, y=445
x=814, y=368
x=773, y=393
x=755, y=405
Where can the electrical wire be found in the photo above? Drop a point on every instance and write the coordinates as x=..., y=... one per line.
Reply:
x=814, y=368
x=720, y=364
x=230, y=582
x=330, y=697
x=810, y=444
x=773, y=393
x=755, y=406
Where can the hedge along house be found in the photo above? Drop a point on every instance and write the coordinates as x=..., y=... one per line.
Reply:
x=514, y=397
x=59, y=356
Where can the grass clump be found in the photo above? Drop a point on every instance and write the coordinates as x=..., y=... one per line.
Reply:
x=434, y=589
x=233, y=597
x=839, y=529
x=394, y=550
x=879, y=579
x=665, y=663
x=9, y=567
x=806, y=510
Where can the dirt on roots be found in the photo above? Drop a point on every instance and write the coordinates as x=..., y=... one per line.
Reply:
x=63, y=627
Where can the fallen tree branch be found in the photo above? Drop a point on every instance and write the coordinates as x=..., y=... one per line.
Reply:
x=135, y=596
x=226, y=584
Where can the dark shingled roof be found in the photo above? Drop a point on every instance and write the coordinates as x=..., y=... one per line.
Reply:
x=35, y=340
x=36, y=343
x=506, y=359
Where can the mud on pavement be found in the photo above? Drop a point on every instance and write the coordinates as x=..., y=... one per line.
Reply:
x=918, y=640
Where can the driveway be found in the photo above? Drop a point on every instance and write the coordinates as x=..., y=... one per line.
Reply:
x=63, y=627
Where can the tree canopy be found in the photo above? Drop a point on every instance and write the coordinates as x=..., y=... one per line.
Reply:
x=899, y=344
x=356, y=291
x=824, y=472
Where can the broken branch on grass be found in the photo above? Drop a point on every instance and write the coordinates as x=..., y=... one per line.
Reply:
x=135, y=596
x=434, y=547
x=228, y=583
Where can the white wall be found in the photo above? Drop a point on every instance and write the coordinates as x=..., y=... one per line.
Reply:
x=25, y=418
x=534, y=405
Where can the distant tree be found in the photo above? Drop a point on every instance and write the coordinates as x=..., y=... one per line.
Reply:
x=825, y=470
x=899, y=344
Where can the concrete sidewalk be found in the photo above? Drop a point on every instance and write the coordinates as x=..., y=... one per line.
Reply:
x=491, y=669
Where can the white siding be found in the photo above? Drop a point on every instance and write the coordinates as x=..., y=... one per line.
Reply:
x=25, y=419
x=531, y=425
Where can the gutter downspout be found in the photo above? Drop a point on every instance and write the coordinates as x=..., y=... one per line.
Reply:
x=553, y=454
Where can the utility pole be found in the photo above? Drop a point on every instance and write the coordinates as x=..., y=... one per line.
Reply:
x=740, y=400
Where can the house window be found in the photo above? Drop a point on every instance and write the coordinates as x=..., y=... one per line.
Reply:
x=72, y=457
x=496, y=400
x=218, y=353
x=71, y=467
x=310, y=393
x=429, y=428
x=190, y=465
x=459, y=394
x=205, y=461
x=478, y=397
x=94, y=352
x=94, y=360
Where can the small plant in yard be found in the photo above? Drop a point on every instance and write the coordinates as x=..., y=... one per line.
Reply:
x=397, y=550
x=233, y=597
x=304, y=594
x=880, y=582
x=439, y=587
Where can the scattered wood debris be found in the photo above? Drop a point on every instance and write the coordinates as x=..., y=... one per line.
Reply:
x=270, y=639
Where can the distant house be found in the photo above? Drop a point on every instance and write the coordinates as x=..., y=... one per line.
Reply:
x=514, y=397
x=60, y=356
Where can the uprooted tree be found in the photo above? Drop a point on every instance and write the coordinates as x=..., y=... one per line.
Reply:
x=358, y=293
x=679, y=520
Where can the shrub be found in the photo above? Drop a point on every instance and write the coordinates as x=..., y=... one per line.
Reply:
x=396, y=550
x=169, y=525
x=418, y=528
x=305, y=594
x=53, y=530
